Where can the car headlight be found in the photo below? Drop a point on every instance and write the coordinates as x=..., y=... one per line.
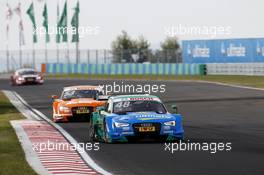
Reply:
x=170, y=123
x=64, y=108
x=39, y=77
x=20, y=78
x=118, y=125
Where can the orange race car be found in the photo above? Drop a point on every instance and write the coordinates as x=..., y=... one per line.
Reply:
x=77, y=102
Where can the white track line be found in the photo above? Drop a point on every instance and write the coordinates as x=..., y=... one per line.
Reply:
x=20, y=106
x=217, y=83
x=160, y=80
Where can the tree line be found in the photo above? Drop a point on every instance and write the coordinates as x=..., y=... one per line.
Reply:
x=128, y=50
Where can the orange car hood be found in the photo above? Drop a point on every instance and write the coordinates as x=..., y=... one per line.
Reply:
x=83, y=102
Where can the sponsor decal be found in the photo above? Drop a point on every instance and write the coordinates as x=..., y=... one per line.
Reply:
x=260, y=49
x=152, y=117
x=199, y=51
x=137, y=99
x=141, y=99
x=236, y=51
x=145, y=113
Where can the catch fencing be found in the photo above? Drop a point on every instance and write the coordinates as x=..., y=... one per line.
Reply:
x=14, y=59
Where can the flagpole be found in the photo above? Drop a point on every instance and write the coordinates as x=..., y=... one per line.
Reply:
x=75, y=23
x=33, y=51
x=57, y=52
x=46, y=53
x=31, y=14
x=77, y=52
x=57, y=40
x=78, y=40
x=8, y=16
x=20, y=43
x=64, y=24
x=7, y=54
x=20, y=56
x=7, y=47
x=68, y=53
x=33, y=56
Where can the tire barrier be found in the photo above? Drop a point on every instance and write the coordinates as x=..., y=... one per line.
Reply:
x=124, y=69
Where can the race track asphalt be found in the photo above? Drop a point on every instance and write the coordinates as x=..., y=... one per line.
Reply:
x=212, y=113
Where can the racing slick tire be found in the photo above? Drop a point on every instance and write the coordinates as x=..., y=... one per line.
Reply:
x=106, y=136
x=92, y=129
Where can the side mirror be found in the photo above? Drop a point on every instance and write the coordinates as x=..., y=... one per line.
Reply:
x=174, y=109
x=100, y=108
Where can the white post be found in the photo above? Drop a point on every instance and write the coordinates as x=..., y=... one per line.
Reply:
x=77, y=53
x=46, y=53
x=33, y=56
x=7, y=57
x=20, y=56
x=68, y=53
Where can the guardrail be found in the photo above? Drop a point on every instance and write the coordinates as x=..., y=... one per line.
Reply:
x=125, y=69
x=235, y=69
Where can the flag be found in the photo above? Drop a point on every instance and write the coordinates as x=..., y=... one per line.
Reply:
x=75, y=23
x=63, y=24
x=45, y=22
x=58, y=18
x=9, y=15
x=21, y=34
x=31, y=15
x=17, y=10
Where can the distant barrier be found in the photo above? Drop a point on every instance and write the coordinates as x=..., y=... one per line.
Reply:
x=235, y=69
x=240, y=50
x=125, y=69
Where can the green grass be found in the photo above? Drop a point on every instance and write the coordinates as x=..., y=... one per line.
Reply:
x=251, y=81
x=12, y=157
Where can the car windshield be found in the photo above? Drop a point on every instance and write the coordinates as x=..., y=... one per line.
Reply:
x=75, y=94
x=123, y=107
x=28, y=72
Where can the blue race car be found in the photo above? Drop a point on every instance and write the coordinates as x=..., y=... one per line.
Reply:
x=134, y=116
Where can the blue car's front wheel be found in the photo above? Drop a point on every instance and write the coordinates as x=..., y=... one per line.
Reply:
x=107, y=138
x=92, y=132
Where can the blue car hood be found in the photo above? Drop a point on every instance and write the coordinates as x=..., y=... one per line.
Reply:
x=144, y=117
